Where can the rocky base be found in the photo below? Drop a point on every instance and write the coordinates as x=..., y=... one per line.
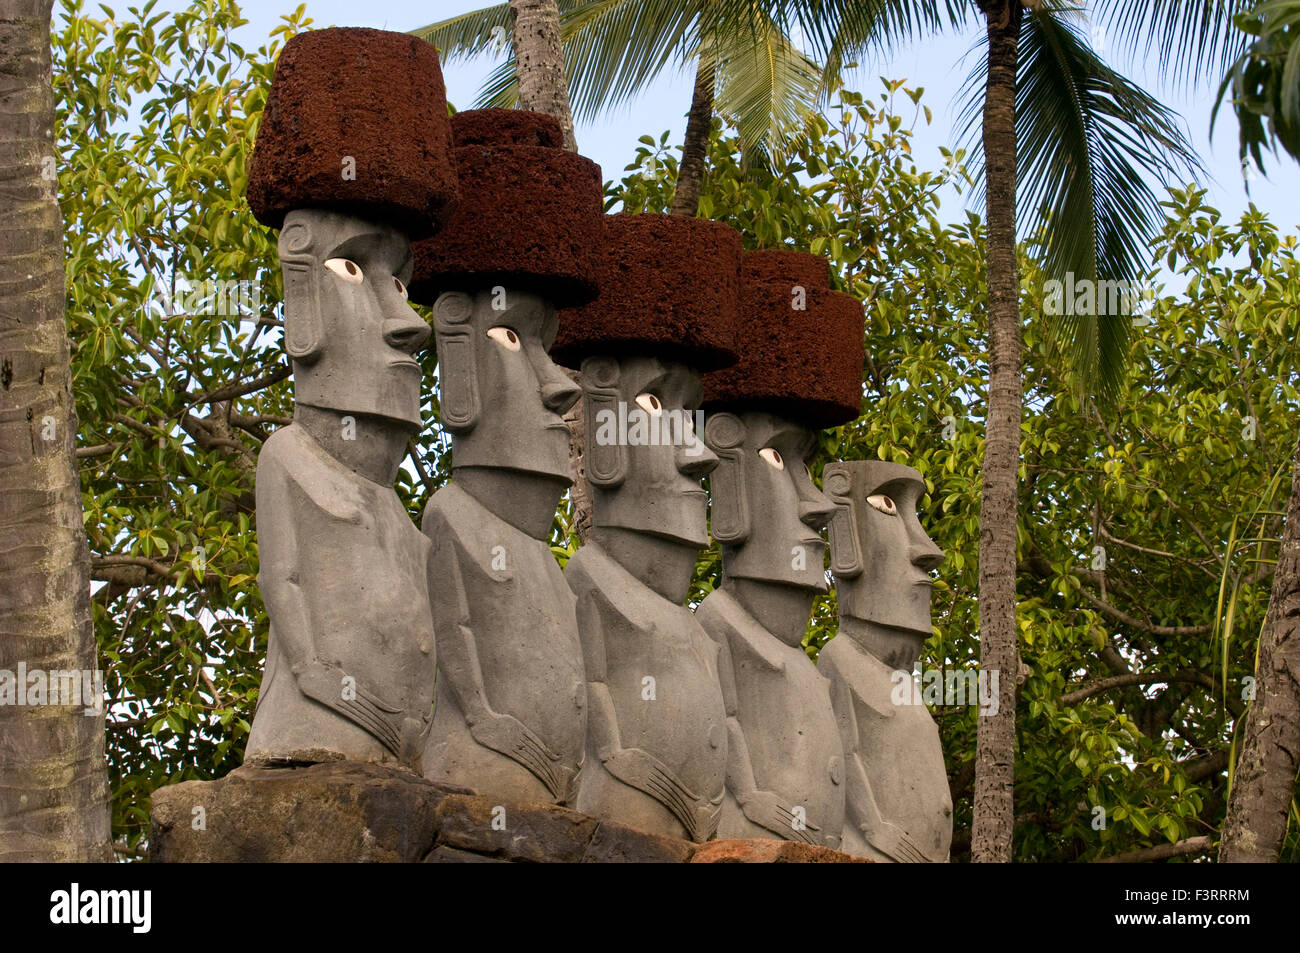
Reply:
x=366, y=813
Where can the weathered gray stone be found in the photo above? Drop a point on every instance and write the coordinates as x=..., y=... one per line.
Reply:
x=344, y=574
x=785, y=769
x=450, y=855
x=342, y=811
x=360, y=812
x=534, y=832
x=518, y=831
x=618, y=844
x=510, y=713
x=898, y=803
x=656, y=739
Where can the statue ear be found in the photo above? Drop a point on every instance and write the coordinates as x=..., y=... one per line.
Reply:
x=846, y=554
x=304, y=336
x=606, y=455
x=724, y=434
x=457, y=365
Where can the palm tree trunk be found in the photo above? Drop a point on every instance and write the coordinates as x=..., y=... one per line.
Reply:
x=539, y=62
x=994, y=814
x=53, y=778
x=544, y=88
x=1264, y=781
x=690, y=174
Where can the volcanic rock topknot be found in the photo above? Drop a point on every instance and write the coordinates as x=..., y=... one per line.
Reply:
x=668, y=286
x=356, y=121
x=529, y=217
x=801, y=348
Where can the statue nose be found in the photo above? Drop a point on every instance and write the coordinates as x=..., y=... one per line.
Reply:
x=559, y=393
x=696, y=460
x=406, y=334
x=815, y=514
x=925, y=556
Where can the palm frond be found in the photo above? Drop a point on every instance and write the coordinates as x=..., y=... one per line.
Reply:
x=1088, y=141
x=614, y=48
x=766, y=88
x=469, y=34
x=873, y=26
x=501, y=89
x=1193, y=41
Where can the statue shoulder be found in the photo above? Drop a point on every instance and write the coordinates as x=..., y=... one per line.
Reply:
x=866, y=678
x=600, y=584
x=291, y=458
x=727, y=623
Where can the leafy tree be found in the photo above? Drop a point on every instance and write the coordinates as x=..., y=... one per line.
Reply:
x=1266, y=86
x=178, y=375
x=54, y=795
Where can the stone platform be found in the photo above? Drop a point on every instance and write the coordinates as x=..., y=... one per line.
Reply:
x=350, y=812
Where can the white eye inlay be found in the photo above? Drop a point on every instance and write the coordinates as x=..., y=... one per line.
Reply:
x=650, y=404
x=505, y=337
x=401, y=288
x=883, y=503
x=346, y=269
x=772, y=458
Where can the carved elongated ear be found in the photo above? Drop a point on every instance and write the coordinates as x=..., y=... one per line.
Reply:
x=846, y=553
x=457, y=366
x=724, y=434
x=304, y=331
x=606, y=455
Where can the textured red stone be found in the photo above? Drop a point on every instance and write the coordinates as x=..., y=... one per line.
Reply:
x=506, y=127
x=529, y=216
x=370, y=94
x=669, y=286
x=802, y=364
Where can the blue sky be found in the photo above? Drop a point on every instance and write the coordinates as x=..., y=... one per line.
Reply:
x=936, y=64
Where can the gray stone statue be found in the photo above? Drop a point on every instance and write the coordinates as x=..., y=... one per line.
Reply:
x=785, y=762
x=344, y=573
x=656, y=728
x=511, y=705
x=511, y=709
x=898, y=803
x=800, y=370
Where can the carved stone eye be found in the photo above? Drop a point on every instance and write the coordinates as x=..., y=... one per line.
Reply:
x=650, y=404
x=772, y=458
x=401, y=288
x=883, y=503
x=346, y=269
x=505, y=337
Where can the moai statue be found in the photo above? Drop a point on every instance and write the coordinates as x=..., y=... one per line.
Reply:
x=344, y=572
x=898, y=805
x=800, y=370
x=510, y=715
x=656, y=732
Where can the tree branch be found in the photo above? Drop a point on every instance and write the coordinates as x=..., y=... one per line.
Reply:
x=1192, y=845
x=1136, y=678
x=1119, y=615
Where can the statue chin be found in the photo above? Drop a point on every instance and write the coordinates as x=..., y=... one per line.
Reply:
x=546, y=454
